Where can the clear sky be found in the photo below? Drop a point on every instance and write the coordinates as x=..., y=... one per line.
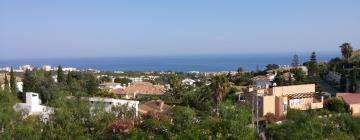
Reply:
x=86, y=28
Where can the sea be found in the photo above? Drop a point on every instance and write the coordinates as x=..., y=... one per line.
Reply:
x=178, y=63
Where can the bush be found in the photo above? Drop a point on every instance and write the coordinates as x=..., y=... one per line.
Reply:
x=335, y=105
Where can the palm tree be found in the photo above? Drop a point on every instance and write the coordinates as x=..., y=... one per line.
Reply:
x=346, y=50
x=220, y=85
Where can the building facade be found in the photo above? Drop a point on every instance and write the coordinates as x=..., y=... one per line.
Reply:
x=278, y=100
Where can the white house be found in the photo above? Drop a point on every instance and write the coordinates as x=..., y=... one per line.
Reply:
x=5, y=69
x=188, y=82
x=25, y=67
x=33, y=107
x=46, y=67
x=19, y=86
x=110, y=86
x=111, y=102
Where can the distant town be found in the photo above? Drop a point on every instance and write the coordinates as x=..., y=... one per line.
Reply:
x=257, y=104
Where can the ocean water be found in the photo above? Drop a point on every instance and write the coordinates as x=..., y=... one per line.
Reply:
x=207, y=63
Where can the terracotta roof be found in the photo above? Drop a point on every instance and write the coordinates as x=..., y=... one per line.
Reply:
x=156, y=106
x=145, y=88
x=118, y=91
x=351, y=98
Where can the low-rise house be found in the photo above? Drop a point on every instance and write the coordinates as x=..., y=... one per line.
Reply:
x=19, y=86
x=278, y=100
x=144, y=88
x=109, y=103
x=261, y=82
x=25, y=67
x=352, y=101
x=121, y=93
x=33, y=106
x=188, y=82
x=6, y=69
x=46, y=67
x=110, y=86
x=154, y=106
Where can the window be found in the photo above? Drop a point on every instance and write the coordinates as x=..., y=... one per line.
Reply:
x=285, y=107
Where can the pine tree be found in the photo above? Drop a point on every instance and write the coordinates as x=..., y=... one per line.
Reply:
x=313, y=57
x=6, y=82
x=295, y=61
x=12, y=81
x=60, y=75
x=312, y=65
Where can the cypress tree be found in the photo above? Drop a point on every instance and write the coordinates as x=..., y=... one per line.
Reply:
x=6, y=82
x=69, y=79
x=92, y=85
x=12, y=81
x=60, y=75
x=29, y=82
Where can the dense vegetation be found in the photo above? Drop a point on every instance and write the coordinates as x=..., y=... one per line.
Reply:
x=309, y=125
x=209, y=110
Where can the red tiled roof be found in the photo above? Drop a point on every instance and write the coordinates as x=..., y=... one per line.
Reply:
x=351, y=98
x=119, y=91
x=145, y=88
x=156, y=106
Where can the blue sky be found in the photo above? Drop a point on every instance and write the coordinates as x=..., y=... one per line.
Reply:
x=86, y=28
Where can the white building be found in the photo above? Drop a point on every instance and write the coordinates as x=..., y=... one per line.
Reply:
x=25, y=67
x=189, y=82
x=33, y=107
x=5, y=69
x=19, y=86
x=46, y=67
x=70, y=69
x=136, y=79
x=111, y=102
x=110, y=86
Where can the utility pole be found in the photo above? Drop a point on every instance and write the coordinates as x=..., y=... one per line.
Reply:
x=255, y=107
x=257, y=114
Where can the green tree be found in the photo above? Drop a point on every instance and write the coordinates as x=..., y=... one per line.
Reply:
x=60, y=75
x=219, y=84
x=343, y=82
x=295, y=61
x=299, y=75
x=8, y=116
x=354, y=75
x=6, y=83
x=28, y=81
x=105, y=79
x=240, y=70
x=336, y=105
x=312, y=65
x=122, y=80
x=346, y=50
x=279, y=79
x=92, y=84
x=175, y=81
x=12, y=81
